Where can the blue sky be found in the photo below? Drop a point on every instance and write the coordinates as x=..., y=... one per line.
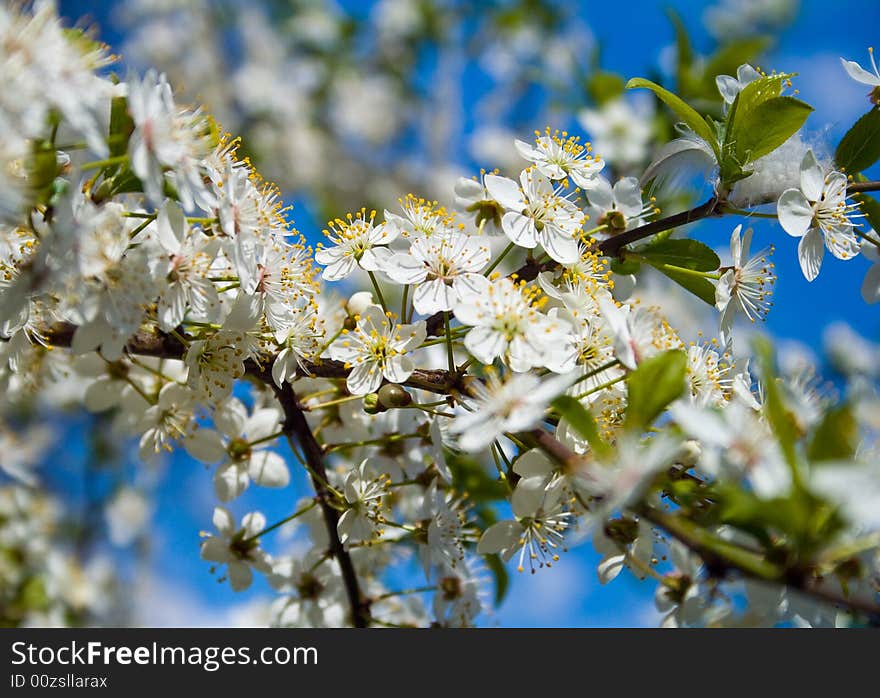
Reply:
x=177, y=589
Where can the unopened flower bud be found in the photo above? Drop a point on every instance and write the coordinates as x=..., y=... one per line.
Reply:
x=689, y=453
x=392, y=395
x=372, y=404
x=359, y=302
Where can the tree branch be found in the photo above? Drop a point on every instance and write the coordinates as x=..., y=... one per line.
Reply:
x=296, y=426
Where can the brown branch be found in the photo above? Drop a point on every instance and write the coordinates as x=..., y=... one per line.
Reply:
x=296, y=426
x=862, y=187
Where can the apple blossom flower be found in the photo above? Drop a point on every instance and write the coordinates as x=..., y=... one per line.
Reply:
x=506, y=324
x=444, y=269
x=536, y=532
x=746, y=286
x=558, y=157
x=617, y=208
x=237, y=548
x=242, y=442
x=817, y=213
x=516, y=404
x=377, y=349
x=538, y=213
x=356, y=242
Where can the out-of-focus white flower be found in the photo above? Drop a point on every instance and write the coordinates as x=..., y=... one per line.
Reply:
x=167, y=137
x=516, y=404
x=620, y=132
x=242, y=442
x=237, y=548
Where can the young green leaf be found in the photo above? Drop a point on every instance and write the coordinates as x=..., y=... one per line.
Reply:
x=836, y=436
x=777, y=414
x=767, y=126
x=652, y=386
x=702, y=288
x=682, y=109
x=860, y=147
x=580, y=419
x=686, y=253
x=871, y=208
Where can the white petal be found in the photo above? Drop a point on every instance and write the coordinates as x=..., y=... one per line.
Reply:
x=499, y=536
x=871, y=285
x=268, y=469
x=206, y=446
x=506, y=192
x=230, y=481
x=812, y=177
x=859, y=74
x=795, y=213
x=520, y=229
x=810, y=252
x=364, y=378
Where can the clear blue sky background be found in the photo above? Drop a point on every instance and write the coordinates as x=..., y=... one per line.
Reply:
x=633, y=35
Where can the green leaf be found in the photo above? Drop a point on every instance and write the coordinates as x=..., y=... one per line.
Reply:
x=625, y=267
x=871, y=208
x=652, y=386
x=682, y=109
x=860, y=147
x=684, y=52
x=690, y=254
x=121, y=126
x=603, y=86
x=580, y=419
x=700, y=287
x=778, y=415
x=675, y=257
x=836, y=436
x=767, y=126
x=499, y=573
x=755, y=93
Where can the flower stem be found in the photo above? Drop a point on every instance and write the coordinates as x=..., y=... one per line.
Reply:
x=101, y=164
x=290, y=518
x=378, y=291
x=498, y=261
x=449, y=353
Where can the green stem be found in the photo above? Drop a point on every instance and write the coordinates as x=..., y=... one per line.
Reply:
x=449, y=353
x=290, y=518
x=403, y=304
x=390, y=438
x=500, y=257
x=101, y=164
x=378, y=291
x=599, y=388
x=270, y=437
